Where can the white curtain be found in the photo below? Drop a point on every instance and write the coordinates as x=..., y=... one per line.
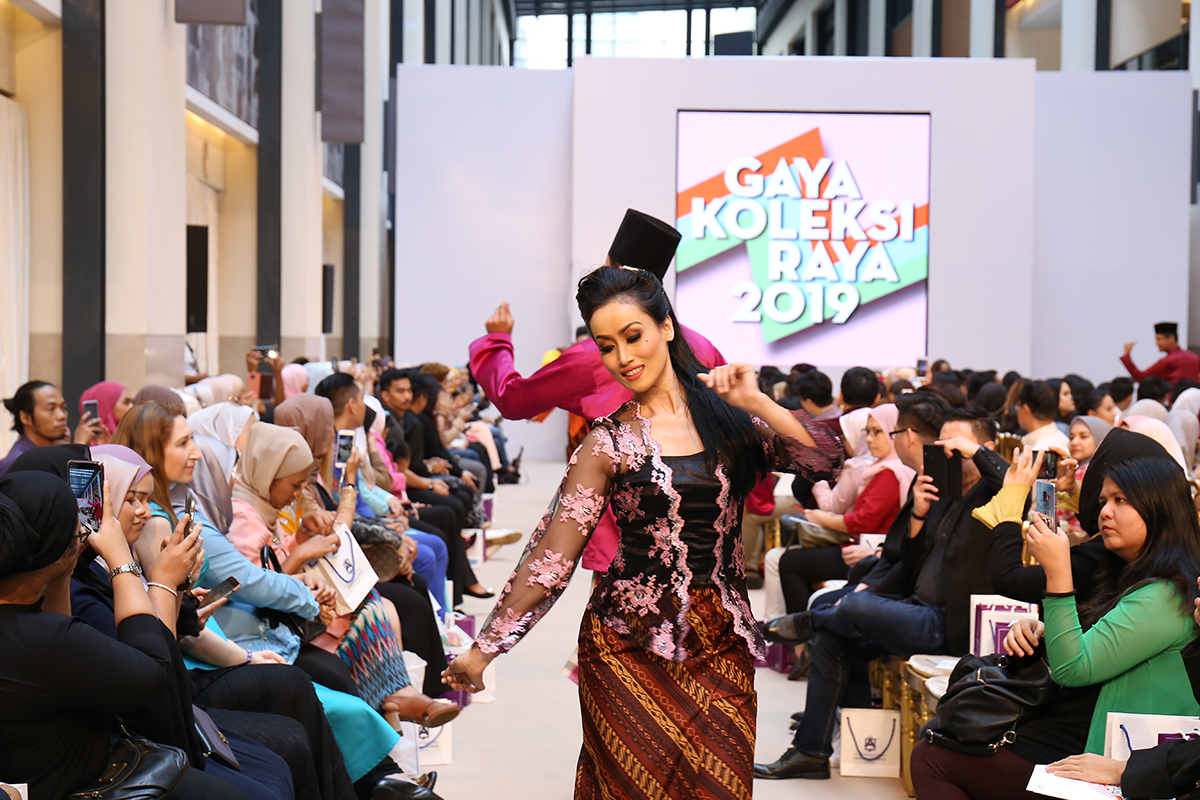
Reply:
x=14, y=258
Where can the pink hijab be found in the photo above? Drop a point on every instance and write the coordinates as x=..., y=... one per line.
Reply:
x=885, y=417
x=295, y=380
x=106, y=394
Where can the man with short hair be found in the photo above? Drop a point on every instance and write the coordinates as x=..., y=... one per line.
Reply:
x=941, y=556
x=1154, y=388
x=860, y=389
x=1121, y=391
x=1037, y=405
x=815, y=391
x=1176, y=365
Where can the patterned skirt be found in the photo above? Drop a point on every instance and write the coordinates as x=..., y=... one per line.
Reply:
x=372, y=652
x=658, y=730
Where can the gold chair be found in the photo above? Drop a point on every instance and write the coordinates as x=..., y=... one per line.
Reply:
x=771, y=538
x=1006, y=445
x=914, y=712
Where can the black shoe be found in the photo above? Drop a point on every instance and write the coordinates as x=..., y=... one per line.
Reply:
x=484, y=595
x=794, y=764
x=791, y=629
x=427, y=779
x=797, y=718
x=800, y=668
x=392, y=789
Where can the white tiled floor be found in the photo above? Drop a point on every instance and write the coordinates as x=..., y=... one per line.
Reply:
x=525, y=745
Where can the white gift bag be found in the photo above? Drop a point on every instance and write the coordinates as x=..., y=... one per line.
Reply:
x=407, y=752
x=435, y=744
x=1125, y=733
x=347, y=572
x=870, y=743
x=1000, y=613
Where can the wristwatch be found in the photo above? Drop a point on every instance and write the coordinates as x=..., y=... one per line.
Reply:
x=132, y=566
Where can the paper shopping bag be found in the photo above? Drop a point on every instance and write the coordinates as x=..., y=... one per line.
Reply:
x=1000, y=613
x=1125, y=733
x=347, y=571
x=435, y=745
x=870, y=743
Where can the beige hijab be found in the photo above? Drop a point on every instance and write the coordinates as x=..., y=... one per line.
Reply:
x=271, y=452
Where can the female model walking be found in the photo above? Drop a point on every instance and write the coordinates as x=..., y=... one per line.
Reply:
x=667, y=643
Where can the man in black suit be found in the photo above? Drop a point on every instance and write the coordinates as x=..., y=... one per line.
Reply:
x=910, y=602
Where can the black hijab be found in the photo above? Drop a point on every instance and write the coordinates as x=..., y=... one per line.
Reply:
x=51, y=459
x=38, y=519
x=1119, y=445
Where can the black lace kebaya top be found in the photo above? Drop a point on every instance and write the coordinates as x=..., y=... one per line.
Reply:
x=679, y=528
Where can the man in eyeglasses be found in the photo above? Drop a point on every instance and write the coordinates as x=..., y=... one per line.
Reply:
x=912, y=601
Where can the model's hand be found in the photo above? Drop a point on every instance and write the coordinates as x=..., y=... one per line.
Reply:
x=466, y=671
x=1129, y=347
x=501, y=320
x=736, y=384
x=1023, y=637
x=1089, y=767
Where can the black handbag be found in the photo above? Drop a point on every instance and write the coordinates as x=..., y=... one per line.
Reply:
x=306, y=629
x=138, y=769
x=987, y=700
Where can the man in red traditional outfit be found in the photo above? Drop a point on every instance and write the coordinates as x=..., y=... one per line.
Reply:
x=1178, y=364
x=577, y=381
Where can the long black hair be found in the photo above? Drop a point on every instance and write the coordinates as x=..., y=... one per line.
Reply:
x=729, y=436
x=1160, y=494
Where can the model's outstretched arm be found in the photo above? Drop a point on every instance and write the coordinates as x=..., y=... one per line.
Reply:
x=549, y=559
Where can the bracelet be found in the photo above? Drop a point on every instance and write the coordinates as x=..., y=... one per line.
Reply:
x=918, y=517
x=164, y=587
x=1060, y=594
x=249, y=656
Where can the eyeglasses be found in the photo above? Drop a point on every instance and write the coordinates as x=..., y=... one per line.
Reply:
x=902, y=430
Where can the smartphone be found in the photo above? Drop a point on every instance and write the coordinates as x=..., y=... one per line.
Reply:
x=268, y=350
x=86, y=479
x=262, y=384
x=945, y=471
x=1045, y=497
x=92, y=407
x=1049, y=469
x=189, y=508
x=922, y=367
x=345, y=447
x=221, y=590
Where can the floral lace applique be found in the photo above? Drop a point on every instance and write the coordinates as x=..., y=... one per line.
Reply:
x=632, y=447
x=662, y=640
x=626, y=501
x=638, y=595
x=604, y=447
x=584, y=506
x=550, y=572
x=503, y=632
x=662, y=547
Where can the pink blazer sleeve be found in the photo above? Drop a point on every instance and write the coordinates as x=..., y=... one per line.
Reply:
x=560, y=384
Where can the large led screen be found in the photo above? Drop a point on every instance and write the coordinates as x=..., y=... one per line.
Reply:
x=805, y=235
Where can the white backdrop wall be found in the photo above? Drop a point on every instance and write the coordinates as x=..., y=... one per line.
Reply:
x=1111, y=204
x=483, y=208
x=981, y=190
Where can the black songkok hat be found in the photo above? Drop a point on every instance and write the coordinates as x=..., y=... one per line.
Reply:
x=645, y=242
x=1167, y=328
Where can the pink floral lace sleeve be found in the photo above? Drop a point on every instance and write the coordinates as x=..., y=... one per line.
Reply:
x=822, y=462
x=554, y=548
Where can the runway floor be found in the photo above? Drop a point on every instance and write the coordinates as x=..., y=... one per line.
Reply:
x=526, y=743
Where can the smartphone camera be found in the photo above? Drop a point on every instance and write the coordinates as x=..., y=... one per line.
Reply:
x=1049, y=468
x=92, y=408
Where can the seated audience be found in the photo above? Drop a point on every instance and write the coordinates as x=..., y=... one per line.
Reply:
x=39, y=415
x=113, y=400
x=943, y=557
x=1102, y=405
x=1127, y=634
x=1037, y=406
